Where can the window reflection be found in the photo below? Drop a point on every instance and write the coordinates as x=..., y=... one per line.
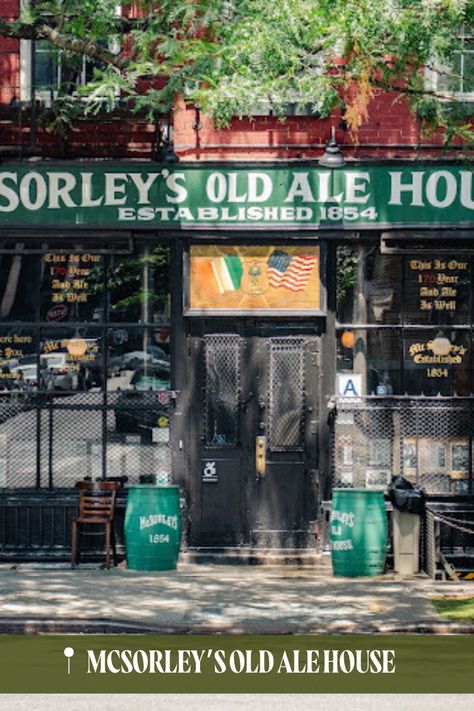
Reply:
x=138, y=359
x=375, y=355
x=70, y=360
x=56, y=340
x=138, y=286
x=434, y=362
x=18, y=360
x=16, y=302
x=368, y=286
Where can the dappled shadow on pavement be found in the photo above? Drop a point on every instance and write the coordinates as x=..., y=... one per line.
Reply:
x=231, y=599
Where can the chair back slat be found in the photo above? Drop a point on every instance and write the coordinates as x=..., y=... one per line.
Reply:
x=96, y=500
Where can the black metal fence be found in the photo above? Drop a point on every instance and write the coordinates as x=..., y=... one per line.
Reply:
x=427, y=440
x=50, y=441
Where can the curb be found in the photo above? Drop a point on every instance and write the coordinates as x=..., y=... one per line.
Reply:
x=46, y=626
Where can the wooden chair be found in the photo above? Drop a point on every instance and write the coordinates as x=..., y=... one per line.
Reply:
x=96, y=508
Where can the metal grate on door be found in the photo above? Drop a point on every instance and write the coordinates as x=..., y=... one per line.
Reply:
x=286, y=394
x=222, y=383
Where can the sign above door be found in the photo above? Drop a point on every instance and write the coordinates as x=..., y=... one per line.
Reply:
x=249, y=279
x=290, y=197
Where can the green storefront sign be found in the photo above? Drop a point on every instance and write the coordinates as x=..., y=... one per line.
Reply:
x=131, y=196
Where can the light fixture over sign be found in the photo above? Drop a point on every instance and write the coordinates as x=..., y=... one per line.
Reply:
x=332, y=156
x=163, y=151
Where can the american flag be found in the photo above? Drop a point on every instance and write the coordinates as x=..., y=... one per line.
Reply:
x=290, y=272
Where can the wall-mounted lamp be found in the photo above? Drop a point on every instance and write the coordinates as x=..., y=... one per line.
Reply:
x=197, y=125
x=163, y=150
x=332, y=156
x=166, y=154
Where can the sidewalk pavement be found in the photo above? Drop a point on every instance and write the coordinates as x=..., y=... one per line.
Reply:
x=205, y=599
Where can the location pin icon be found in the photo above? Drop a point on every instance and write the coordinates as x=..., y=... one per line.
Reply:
x=68, y=653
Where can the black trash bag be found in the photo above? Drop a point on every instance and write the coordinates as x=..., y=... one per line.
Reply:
x=406, y=497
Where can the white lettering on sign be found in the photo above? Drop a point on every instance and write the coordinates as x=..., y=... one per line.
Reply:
x=158, y=538
x=143, y=186
x=467, y=198
x=299, y=196
x=180, y=192
x=33, y=191
x=154, y=519
x=7, y=193
x=60, y=185
x=301, y=188
x=355, y=188
x=53, y=190
x=255, y=187
x=440, y=190
x=115, y=188
x=413, y=187
x=87, y=199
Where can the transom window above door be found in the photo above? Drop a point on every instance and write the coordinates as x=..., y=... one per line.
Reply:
x=253, y=279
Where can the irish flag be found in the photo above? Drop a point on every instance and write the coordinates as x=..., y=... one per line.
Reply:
x=227, y=272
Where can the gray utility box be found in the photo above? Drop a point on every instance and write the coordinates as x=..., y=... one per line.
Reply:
x=406, y=542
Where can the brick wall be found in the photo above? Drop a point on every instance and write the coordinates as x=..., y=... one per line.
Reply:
x=391, y=131
x=9, y=56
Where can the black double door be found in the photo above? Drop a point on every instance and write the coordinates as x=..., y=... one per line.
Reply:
x=254, y=434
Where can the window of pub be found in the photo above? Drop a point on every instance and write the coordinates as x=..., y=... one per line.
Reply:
x=72, y=287
x=416, y=314
x=84, y=361
x=16, y=302
x=70, y=359
x=404, y=332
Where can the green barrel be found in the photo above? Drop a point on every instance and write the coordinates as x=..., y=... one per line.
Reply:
x=358, y=532
x=152, y=527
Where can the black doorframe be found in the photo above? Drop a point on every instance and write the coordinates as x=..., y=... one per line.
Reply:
x=255, y=339
x=182, y=445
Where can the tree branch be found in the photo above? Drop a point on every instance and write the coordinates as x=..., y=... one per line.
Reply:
x=403, y=89
x=42, y=31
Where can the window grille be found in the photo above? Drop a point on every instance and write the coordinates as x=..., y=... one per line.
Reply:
x=286, y=394
x=222, y=390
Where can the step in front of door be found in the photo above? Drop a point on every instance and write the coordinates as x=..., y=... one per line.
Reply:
x=256, y=556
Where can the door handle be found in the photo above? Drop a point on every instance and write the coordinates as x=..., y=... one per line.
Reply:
x=260, y=456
